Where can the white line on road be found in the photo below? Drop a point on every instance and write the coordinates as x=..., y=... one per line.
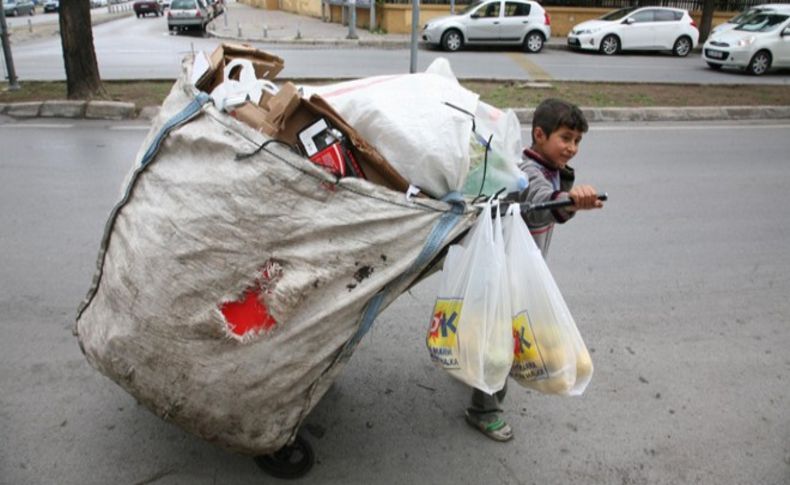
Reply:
x=37, y=125
x=130, y=128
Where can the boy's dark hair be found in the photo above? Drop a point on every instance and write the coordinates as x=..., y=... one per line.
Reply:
x=553, y=113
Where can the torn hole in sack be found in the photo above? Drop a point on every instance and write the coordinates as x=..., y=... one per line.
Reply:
x=248, y=315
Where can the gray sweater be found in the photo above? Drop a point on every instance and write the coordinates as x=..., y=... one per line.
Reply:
x=545, y=183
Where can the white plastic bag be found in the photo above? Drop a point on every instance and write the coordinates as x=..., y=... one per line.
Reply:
x=495, y=151
x=550, y=355
x=470, y=334
x=231, y=93
x=420, y=123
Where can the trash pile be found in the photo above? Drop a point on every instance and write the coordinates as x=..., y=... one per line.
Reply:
x=264, y=226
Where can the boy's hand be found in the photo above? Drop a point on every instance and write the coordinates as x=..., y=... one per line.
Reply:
x=584, y=197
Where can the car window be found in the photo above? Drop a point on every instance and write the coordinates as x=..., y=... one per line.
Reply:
x=644, y=16
x=745, y=15
x=618, y=14
x=182, y=5
x=513, y=9
x=489, y=10
x=472, y=6
x=764, y=22
x=666, y=15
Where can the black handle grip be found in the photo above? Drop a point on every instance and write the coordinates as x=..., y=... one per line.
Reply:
x=552, y=204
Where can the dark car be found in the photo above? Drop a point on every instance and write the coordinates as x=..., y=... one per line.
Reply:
x=19, y=7
x=51, y=6
x=144, y=7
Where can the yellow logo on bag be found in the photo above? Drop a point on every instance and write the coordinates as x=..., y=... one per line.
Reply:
x=527, y=361
x=442, y=336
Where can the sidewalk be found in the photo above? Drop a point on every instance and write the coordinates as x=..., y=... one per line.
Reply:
x=244, y=23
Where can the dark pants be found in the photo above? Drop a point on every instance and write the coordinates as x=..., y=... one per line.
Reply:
x=487, y=403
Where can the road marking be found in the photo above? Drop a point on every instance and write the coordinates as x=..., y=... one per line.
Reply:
x=536, y=73
x=37, y=125
x=685, y=127
x=130, y=128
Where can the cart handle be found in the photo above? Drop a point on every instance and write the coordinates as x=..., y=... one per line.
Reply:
x=551, y=204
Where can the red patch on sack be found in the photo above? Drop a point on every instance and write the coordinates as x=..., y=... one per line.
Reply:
x=249, y=314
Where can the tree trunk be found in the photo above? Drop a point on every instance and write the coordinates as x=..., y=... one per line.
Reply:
x=79, y=56
x=708, y=7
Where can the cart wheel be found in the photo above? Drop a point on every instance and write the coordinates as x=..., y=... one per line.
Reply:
x=290, y=461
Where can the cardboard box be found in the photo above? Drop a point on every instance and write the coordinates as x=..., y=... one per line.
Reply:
x=267, y=66
x=284, y=115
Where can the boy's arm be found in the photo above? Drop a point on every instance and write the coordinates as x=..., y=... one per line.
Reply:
x=539, y=190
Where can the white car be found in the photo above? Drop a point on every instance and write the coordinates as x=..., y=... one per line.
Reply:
x=746, y=15
x=757, y=45
x=490, y=22
x=633, y=28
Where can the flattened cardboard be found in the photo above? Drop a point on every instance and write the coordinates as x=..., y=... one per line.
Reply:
x=267, y=66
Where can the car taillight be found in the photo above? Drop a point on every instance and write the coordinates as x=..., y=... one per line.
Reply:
x=693, y=24
x=547, y=19
x=169, y=14
x=198, y=14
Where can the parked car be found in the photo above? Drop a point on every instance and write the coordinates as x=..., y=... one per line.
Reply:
x=187, y=14
x=144, y=7
x=746, y=15
x=633, y=28
x=51, y=6
x=760, y=43
x=492, y=22
x=19, y=7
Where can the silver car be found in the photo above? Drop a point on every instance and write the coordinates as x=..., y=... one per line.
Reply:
x=492, y=22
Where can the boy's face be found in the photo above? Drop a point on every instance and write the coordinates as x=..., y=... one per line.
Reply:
x=559, y=147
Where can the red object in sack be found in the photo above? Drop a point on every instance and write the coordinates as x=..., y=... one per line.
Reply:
x=248, y=314
x=331, y=158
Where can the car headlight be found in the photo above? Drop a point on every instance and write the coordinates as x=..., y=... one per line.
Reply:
x=586, y=31
x=426, y=27
x=746, y=42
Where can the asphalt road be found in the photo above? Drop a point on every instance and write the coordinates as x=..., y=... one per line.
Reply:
x=132, y=48
x=679, y=287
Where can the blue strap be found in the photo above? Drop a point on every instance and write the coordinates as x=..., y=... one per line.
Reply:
x=191, y=110
x=433, y=245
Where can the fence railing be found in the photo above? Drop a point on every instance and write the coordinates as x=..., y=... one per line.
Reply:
x=720, y=5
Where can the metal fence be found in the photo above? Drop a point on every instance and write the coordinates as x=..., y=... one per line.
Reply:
x=720, y=5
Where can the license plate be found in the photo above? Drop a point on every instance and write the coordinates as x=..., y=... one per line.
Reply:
x=716, y=54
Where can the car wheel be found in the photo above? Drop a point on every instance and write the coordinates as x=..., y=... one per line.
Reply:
x=714, y=66
x=682, y=47
x=610, y=45
x=452, y=40
x=760, y=63
x=533, y=42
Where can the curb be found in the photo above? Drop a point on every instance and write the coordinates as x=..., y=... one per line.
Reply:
x=114, y=110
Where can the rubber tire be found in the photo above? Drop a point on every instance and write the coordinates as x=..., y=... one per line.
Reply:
x=280, y=464
x=605, y=47
x=715, y=67
x=531, y=42
x=452, y=40
x=760, y=63
x=682, y=40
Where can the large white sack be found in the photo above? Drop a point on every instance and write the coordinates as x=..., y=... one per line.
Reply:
x=195, y=229
x=421, y=123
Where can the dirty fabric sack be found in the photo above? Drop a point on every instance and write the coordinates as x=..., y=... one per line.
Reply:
x=231, y=290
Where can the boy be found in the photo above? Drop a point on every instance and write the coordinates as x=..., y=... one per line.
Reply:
x=557, y=130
